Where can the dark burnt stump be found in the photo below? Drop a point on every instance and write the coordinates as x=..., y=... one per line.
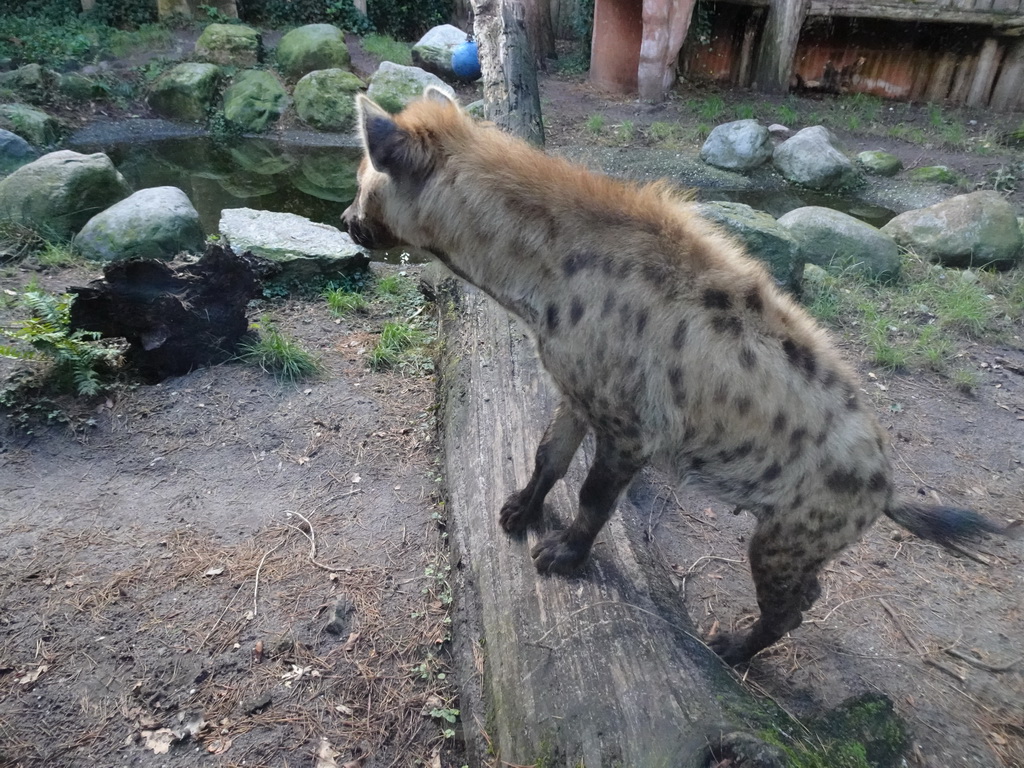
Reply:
x=175, y=319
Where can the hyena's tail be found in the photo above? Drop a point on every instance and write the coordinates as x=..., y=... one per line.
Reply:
x=949, y=526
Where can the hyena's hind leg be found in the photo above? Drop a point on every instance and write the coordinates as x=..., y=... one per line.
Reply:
x=554, y=454
x=613, y=468
x=784, y=563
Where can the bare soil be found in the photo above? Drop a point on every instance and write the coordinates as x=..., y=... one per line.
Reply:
x=171, y=558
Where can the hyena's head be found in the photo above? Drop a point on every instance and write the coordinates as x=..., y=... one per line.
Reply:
x=401, y=155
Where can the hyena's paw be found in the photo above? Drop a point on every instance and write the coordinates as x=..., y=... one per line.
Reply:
x=731, y=647
x=518, y=514
x=557, y=554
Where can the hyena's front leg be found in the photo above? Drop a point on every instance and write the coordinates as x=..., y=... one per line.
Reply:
x=554, y=454
x=565, y=551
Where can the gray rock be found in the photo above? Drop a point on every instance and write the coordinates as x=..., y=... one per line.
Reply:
x=185, y=92
x=155, y=223
x=394, y=86
x=254, y=100
x=433, y=52
x=229, y=45
x=326, y=99
x=311, y=47
x=979, y=229
x=35, y=126
x=340, y=619
x=58, y=193
x=737, y=146
x=829, y=237
x=879, y=163
x=812, y=159
x=763, y=237
x=78, y=87
x=32, y=82
x=304, y=249
x=14, y=152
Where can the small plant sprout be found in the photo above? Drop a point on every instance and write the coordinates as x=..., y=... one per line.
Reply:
x=342, y=302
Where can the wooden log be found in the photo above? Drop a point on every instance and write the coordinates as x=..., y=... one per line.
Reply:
x=942, y=77
x=599, y=670
x=984, y=73
x=962, y=79
x=1008, y=93
x=750, y=29
x=511, y=92
x=778, y=45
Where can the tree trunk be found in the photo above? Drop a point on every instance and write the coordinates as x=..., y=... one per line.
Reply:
x=665, y=24
x=1009, y=90
x=778, y=45
x=511, y=93
x=539, y=30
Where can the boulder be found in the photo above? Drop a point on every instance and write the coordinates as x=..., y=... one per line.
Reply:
x=33, y=125
x=185, y=92
x=14, y=152
x=830, y=237
x=763, y=236
x=326, y=99
x=737, y=146
x=254, y=100
x=155, y=223
x=58, y=193
x=975, y=230
x=811, y=158
x=305, y=250
x=394, y=86
x=312, y=47
x=32, y=82
x=933, y=174
x=77, y=87
x=433, y=52
x=879, y=163
x=229, y=45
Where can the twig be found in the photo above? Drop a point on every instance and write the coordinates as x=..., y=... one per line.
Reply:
x=312, y=544
x=956, y=654
x=914, y=644
x=256, y=586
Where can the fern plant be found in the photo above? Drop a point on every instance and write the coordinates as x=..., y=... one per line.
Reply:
x=78, y=359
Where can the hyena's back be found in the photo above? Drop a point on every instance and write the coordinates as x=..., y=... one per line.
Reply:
x=665, y=339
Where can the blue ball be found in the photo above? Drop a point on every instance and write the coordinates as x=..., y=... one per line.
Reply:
x=466, y=61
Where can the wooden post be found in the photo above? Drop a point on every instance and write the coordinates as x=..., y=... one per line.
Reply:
x=511, y=92
x=985, y=73
x=1009, y=91
x=665, y=23
x=778, y=45
x=962, y=79
x=615, y=45
x=750, y=29
x=942, y=77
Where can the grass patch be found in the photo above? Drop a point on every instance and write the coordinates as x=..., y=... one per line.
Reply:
x=386, y=48
x=279, y=355
x=786, y=114
x=342, y=302
x=626, y=132
x=396, y=338
x=924, y=320
x=709, y=109
x=595, y=124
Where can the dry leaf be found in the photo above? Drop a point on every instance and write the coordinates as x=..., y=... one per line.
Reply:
x=344, y=710
x=257, y=652
x=159, y=741
x=325, y=755
x=216, y=570
x=351, y=642
x=32, y=676
x=218, y=746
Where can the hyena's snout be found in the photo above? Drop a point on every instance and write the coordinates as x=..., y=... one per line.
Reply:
x=365, y=233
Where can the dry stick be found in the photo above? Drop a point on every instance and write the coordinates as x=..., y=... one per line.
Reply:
x=312, y=544
x=256, y=586
x=957, y=654
x=914, y=644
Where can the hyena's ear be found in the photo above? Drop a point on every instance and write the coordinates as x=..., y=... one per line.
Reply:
x=433, y=93
x=390, y=148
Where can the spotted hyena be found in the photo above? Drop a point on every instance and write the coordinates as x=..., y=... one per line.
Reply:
x=663, y=337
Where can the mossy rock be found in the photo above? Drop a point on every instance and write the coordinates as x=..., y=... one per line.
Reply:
x=325, y=99
x=35, y=126
x=32, y=82
x=185, y=92
x=77, y=87
x=393, y=86
x=312, y=47
x=254, y=100
x=934, y=174
x=879, y=163
x=229, y=45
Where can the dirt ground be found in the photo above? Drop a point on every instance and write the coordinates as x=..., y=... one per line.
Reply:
x=224, y=570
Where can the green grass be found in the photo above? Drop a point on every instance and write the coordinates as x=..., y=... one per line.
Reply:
x=625, y=132
x=342, y=302
x=595, y=124
x=926, y=318
x=709, y=109
x=279, y=355
x=56, y=255
x=386, y=48
x=786, y=114
x=744, y=111
x=396, y=338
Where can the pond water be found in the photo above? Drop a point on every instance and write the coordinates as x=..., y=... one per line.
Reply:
x=301, y=174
